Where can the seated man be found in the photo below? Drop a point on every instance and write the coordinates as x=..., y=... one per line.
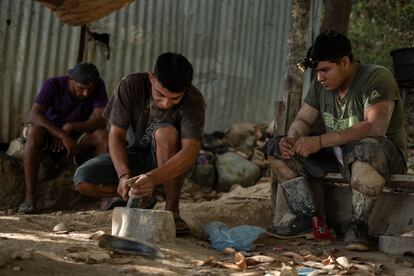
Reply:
x=162, y=115
x=365, y=139
x=66, y=117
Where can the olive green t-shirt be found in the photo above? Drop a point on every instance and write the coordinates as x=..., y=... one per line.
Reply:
x=132, y=108
x=372, y=84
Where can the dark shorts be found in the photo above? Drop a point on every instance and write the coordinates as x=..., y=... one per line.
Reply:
x=101, y=171
x=380, y=152
x=47, y=147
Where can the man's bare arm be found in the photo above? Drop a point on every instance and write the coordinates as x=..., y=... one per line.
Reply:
x=118, y=151
x=377, y=119
x=304, y=121
x=179, y=163
x=37, y=116
x=95, y=121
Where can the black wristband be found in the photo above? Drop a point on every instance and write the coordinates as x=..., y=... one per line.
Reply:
x=122, y=175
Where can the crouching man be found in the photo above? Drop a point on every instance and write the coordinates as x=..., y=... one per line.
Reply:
x=65, y=119
x=162, y=116
x=362, y=112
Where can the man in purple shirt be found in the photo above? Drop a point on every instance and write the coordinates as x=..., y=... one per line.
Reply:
x=65, y=117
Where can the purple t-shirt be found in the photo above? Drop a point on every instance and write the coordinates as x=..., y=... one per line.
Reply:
x=62, y=107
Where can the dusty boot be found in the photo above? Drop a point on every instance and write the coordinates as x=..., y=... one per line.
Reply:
x=367, y=185
x=299, y=197
x=356, y=231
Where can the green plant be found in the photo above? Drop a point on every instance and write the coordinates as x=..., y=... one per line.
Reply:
x=377, y=27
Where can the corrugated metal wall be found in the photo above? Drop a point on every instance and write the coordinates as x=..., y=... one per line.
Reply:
x=237, y=48
x=34, y=45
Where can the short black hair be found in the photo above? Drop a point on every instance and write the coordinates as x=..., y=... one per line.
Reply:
x=84, y=73
x=174, y=72
x=330, y=46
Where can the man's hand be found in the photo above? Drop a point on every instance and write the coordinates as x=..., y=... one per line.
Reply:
x=56, y=145
x=123, y=187
x=143, y=186
x=67, y=128
x=70, y=145
x=286, y=147
x=305, y=146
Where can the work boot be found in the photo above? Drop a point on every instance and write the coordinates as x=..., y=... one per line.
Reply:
x=356, y=236
x=299, y=198
x=356, y=232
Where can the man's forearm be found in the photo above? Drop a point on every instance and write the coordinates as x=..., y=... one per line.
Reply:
x=41, y=120
x=175, y=166
x=89, y=125
x=299, y=128
x=119, y=156
x=356, y=132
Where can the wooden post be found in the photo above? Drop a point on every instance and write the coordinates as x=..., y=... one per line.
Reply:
x=336, y=15
x=285, y=111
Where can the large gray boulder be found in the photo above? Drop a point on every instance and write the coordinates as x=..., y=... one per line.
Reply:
x=234, y=169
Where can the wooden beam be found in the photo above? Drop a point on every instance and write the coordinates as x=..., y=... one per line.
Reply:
x=287, y=109
x=405, y=181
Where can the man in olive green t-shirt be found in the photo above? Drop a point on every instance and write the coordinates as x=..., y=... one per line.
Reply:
x=362, y=112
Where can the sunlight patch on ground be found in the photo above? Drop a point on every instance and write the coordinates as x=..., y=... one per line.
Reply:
x=47, y=237
x=9, y=218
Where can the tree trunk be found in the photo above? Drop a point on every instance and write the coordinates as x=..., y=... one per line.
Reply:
x=336, y=15
x=287, y=109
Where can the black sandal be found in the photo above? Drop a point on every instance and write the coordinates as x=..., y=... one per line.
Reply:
x=27, y=207
x=181, y=227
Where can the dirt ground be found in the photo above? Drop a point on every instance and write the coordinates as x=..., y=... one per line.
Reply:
x=29, y=246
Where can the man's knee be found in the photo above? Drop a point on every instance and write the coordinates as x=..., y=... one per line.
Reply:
x=81, y=187
x=86, y=189
x=166, y=136
x=100, y=135
x=366, y=180
x=282, y=171
x=36, y=136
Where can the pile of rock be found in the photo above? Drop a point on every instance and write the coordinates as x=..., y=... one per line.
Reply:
x=230, y=158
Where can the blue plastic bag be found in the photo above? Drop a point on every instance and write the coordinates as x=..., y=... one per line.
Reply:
x=240, y=237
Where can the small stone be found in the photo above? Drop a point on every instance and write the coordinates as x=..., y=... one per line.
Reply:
x=229, y=250
x=17, y=268
x=96, y=235
x=58, y=213
x=343, y=261
x=61, y=227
